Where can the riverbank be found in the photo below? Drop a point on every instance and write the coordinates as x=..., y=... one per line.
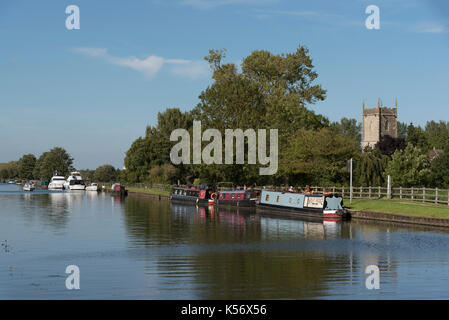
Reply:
x=150, y=192
x=411, y=212
x=400, y=211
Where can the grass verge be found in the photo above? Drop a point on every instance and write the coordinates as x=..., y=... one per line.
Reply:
x=400, y=207
x=154, y=191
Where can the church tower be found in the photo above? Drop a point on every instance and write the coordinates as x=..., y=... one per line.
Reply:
x=378, y=122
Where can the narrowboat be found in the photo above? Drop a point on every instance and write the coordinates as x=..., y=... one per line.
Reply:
x=238, y=198
x=187, y=194
x=118, y=189
x=202, y=195
x=324, y=205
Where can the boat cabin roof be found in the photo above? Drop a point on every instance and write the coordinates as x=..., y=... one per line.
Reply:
x=233, y=191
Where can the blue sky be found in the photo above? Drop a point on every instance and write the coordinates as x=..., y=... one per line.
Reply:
x=94, y=90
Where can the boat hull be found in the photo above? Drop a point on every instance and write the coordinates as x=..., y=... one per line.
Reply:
x=236, y=203
x=310, y=212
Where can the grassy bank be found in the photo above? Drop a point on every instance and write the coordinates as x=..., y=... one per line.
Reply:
x=154, y=191
x=400, y=207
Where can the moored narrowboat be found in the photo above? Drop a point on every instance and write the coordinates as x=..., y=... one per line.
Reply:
x=328, y=206
x=202, y=195
x=238, y=198
x=118, y=189
x=183, y=193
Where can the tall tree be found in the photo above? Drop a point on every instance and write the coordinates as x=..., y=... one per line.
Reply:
x=50, y=162
x=417, y=137
x=437, y=134
x=408, y=168
x=25, y=166
x=388, y=145
x=319, y=157
x=348, y=126
x=105, y=173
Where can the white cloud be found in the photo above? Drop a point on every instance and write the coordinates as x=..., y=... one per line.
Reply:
x=432, y=28
x=151, y=65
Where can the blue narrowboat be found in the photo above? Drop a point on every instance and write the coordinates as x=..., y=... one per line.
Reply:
x=328, y=206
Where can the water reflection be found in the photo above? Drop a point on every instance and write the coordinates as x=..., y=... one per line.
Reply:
x=158, y=250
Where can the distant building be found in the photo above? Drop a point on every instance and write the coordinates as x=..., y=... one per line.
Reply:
x=379, y=122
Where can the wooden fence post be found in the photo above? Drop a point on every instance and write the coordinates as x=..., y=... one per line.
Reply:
x=423, y=194
x=343, y=192
x=379, y=191
x=412, y=194
x=369, y=192
x=436, y=195
x=400, y=192
x=361, y=192
x=333, y=189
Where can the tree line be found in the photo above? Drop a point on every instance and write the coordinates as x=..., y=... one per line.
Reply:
x=275, y=91
x=56, y=160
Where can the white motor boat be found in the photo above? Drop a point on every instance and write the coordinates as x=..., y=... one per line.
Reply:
x=93, y=187
x=75, y=181
x=28, y=186
x=57, y=182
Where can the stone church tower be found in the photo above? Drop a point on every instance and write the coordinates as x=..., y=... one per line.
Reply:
x=378, y=122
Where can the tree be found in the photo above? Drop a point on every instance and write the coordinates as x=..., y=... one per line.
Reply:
x=105, y=173
x=25, y=166
x=402, y=130
x=270, y=92
x=388, y=145
x=417, y=137
x=163, y=174
x=439, y=176
x=437, y=134
x=154, y=149
x=369, y=168
x=319, y=157
x=348, y=126
x=409, y=167
x=50, y=162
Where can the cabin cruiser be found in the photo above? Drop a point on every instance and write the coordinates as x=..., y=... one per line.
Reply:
x=57, y=182
x=75, y=182
x=93, y=187
x=28, y=186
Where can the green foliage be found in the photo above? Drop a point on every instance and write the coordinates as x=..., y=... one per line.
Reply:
x=437, y=134
x=348, y=126
x=440, y=170
x=369, y=168
x=25, y=166
x=165, y=174
x=9, y=170
x=402, y=130
x=318, y=157
x=408, y=168
x=417, y=137
x=154, y=149
x=55, y=160
x=106, y=173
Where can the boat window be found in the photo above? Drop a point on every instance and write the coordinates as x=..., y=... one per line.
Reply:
x=277, y=199
x=233, y=196
x=267, y=197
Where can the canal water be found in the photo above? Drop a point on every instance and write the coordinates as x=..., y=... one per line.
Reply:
x=140, y=248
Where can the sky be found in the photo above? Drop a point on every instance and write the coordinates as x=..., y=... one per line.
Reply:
x=93, y=90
